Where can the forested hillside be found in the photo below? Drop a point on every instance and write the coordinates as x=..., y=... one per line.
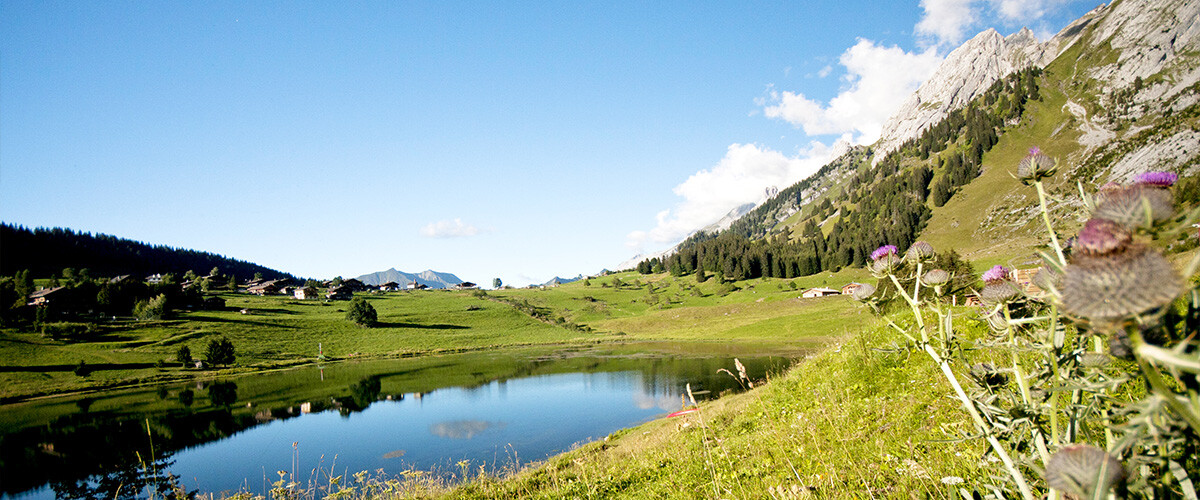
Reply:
x=46, y=252
x=849, y=208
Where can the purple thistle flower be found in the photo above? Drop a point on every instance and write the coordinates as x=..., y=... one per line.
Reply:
x=1157, y=179
x=1101, y=236
x=996, y=274
x=1034, y=150
x=1036, y=166
x=884, y=251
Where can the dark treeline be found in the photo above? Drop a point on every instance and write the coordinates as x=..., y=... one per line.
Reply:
x=46, y=252
x=885, y=204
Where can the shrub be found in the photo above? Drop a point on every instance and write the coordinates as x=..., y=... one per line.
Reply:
x=184, y=356
x=153, y=309
x=361, y=313
x=220, y=352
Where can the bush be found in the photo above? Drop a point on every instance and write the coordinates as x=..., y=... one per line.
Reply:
x=82, y=369
x=361, y=313
x=184, y=356
x=66, y=329
x=154, y=309
x=220, y=352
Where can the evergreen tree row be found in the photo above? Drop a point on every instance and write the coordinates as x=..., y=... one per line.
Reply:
x=45, y=252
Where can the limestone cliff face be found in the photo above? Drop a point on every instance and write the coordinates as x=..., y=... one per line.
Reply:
x=1150, y=41
x=966, y=73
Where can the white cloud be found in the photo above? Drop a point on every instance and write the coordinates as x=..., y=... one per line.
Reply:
x=448, y=229
x=741, y=177
x=824, y=72
x=879, y=79
x=949, y=22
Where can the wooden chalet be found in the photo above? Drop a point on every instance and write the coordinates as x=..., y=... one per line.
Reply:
x=44, y=296
x=390, y=286
x=339, y=293
x=306, y=293
x=466, y=285
x=812, y=293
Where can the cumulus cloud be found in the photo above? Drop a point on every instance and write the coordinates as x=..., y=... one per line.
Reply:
x=741, y=177
x=878, y=78
x=449, y=229
x=949, y=22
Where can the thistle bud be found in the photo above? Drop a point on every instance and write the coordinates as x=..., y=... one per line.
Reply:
x=1036, y=166
x=935, y=277
x=1102, y=236
x=919, y=252
x=1132, y=206
x=863, y=292
x=1120, y=284
x=1085, y=471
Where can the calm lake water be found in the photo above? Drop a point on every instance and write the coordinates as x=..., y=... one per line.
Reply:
x=491, y=409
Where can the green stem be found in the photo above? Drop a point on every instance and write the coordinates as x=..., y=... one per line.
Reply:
x=980, y=423
x=1046, y=218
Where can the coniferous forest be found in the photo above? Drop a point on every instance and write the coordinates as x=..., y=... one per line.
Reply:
x=46, y=252
x=888, y=203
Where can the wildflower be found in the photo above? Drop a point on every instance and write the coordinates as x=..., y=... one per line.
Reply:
x=1132, y=206
x=996, y=274
x=1085, y=471
x=935, y=277
x=884, y=260
x=919, y=251
x=1157, y=179
x=1036, y=166
x=1122, y=283
x=863, y=292
x=883, y=251
x=1102, y=236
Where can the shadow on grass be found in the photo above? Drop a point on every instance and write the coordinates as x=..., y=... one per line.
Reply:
x=92, y=367
x=385, y=324
x=213, y=319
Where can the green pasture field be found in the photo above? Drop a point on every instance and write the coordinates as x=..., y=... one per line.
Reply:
x=280, y=332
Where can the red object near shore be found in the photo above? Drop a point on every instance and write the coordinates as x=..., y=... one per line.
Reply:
x=683, y=412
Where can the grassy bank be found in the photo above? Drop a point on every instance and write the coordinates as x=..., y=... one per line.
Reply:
x=281, y=332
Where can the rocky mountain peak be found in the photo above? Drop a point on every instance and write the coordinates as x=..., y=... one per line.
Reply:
x=966, y=73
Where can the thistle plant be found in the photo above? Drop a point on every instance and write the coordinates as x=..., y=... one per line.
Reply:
x=1088, y=384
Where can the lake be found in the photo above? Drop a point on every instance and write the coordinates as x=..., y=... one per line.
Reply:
x=431, y=413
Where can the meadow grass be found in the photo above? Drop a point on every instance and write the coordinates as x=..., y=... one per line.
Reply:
x=850, y=422
x=281, y=332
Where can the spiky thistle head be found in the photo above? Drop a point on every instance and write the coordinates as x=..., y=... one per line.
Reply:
x=1111, y=287
x=1036, y=166
x=919, y=252
x=1102, y=236
x=1135, y=206
x=1085, y=471
x=935, y=277
x=863, y=292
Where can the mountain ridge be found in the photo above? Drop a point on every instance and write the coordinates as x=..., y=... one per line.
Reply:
x=428, y=277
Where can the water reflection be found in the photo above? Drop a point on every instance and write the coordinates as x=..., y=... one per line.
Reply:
x=423, y=412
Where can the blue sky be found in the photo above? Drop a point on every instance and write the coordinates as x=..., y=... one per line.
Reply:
x=519, y=140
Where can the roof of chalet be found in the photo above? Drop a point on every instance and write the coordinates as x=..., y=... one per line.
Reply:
x=45, y=292
x=823, y=290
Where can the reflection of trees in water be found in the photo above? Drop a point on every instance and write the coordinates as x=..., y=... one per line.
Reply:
x=222, y=393
x=129, y=482
x=91, y=455
x=362, y=394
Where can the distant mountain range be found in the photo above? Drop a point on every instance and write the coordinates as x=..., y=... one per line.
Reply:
x=562, y=281
x=429, y=277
